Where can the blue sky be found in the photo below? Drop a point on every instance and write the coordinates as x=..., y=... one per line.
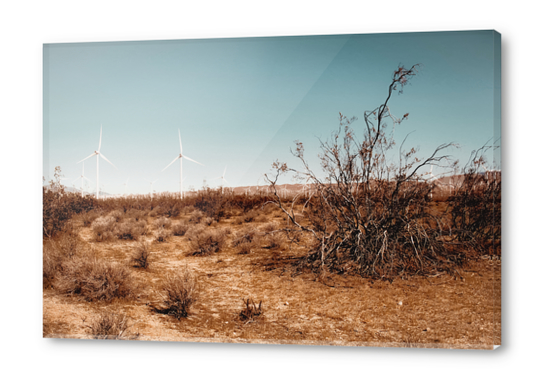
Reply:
x=242, y=103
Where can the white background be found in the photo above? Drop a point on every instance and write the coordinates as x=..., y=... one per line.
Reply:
x=26, y=25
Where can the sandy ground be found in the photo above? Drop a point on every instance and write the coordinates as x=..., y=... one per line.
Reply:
x=443, y=312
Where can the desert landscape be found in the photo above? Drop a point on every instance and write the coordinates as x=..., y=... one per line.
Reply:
x=221, y=266
x=106, y=272
x=363, y=239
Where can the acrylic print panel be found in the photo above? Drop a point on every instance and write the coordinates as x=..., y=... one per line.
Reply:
x=329, y=190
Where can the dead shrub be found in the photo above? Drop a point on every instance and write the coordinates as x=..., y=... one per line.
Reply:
x=172, y=209
x=207, y=221
x=261, y=218
x=162, y=222
x=246, y=247
x=109, y=325
x=140, y=257
x=251, y=311
x=179, y=228
x=117, y=215
x=131, y=229
x=475, y=207
x=136, y=214
x=95, y=279
x=368, y=215
x=103, y=228
x=179, y=292
x=204, y=241
x=196, y=216
x=52, y=264
x=89, y=217
x=55, y=253
x=189, y=210
x=269, y=208
x=60, y=206
x=275, y=240
x=247, y=240
x=250, y=216
x=155, y=211
x=269, y=227
x=163, y=234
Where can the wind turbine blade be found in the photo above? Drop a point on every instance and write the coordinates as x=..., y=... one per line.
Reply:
x=91, y=155
x=100, y=144
x=87, y=179
x=155, y=181
x=108, y=161
x=224, y=174
x=190, y=159
x=76, y=179
x=180, y=143
x=173, y=161
x=225, y=180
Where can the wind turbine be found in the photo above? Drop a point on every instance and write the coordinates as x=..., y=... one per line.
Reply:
x=102, y=190
x=152, y=182
x=305, y=185
x=489, y=174
x=83, y=178
x=180, y=158
x=223, y=177
x=432, y=179
x=98, y=154
x=181, y=181
x=125, y=184
x=258, y=186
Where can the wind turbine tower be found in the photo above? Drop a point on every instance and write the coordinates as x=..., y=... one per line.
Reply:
x=83, y=178
x=98, y=154
x=223, y=178
x=180, y=158
x=125, y=184
x=432, y=179
x=152, y=182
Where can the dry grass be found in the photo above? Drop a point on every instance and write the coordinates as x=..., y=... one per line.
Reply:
x=162, y=222
x=136, y=214
x=162, y=235
x=275, y=240
x=250, y=312
x=140, y=257
x=247, y=240
x=56, y=252
x=88, y=217
x=196, y=217
x=250, y=216
x=205, y=241
x=95, y=279
x=179, y=292
x=117, y=215
x=300, y=306
x=110, y=325
x=103, y=228
x=180, y=228
x=130, y=229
